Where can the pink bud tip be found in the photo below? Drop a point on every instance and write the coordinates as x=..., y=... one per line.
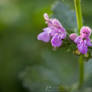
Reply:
x=46, y=17
x=73, y=36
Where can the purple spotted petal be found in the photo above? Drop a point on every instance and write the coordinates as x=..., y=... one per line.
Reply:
x=48, y=30
x=56, y=23
x=44, y=36
x=85, y=32
x=88, y=41
x=62, y=33
x=51, y=30
x=56, y=42
x=82, y=47
x=77, y=40
x=54, y=31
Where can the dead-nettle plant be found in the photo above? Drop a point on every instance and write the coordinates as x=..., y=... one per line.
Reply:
x=57, y=33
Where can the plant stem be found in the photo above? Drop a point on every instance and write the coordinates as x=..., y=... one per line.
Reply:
x=81, y=64
x=78, y=13
x=80, y=24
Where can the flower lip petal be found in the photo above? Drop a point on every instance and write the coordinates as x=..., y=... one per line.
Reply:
x=82, y=48
x=47, y=29
x=56, y=42
x=78, y=40
x=44, y=36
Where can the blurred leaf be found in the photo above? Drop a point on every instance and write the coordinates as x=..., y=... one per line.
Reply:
x=58, y=68
x=87, y=86
x=66, y=16
x=88, y=74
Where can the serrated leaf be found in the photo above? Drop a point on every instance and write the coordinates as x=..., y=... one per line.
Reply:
x=66, y=16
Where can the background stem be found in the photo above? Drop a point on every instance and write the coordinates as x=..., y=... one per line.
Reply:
x=80, y=24
x=81, y=64
x=78, y=13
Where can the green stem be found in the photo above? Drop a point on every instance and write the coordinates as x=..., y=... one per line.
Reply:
x=78, y=13
x=80, y=24
x=81, y=64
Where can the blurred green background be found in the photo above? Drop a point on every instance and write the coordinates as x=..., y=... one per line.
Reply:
x=20, y=22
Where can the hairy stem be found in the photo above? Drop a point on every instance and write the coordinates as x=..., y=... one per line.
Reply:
x=79, y=24
x=81, y=64
x=78, y=13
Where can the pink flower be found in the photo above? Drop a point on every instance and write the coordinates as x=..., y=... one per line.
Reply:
x=85, y=32
x=83, y=41
x=55, y=31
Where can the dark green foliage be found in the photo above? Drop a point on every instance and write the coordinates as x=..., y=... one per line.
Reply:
x=66, y=16
x=27, y=64
x=58, y=68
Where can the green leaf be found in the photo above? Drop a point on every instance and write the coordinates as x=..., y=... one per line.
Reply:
x=66, y=16
x=88, y=74
x=58, y=70
x=87, y=86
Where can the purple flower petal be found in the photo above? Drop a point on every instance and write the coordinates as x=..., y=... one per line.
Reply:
x=82, y=47
x=85, y=32
x=48, y=30
x=56, y=23
x=47, y=19
x=44, y=36
x=88, y=41
x=56, y=42
x=51, y=30
x=62, y=33
x=77, y=40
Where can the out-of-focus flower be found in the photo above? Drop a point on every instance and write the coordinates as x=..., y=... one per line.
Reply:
x=55, y=31
x=83, y=41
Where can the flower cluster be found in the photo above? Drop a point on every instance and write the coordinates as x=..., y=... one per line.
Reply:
x=83, y=41
x=55, y=31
